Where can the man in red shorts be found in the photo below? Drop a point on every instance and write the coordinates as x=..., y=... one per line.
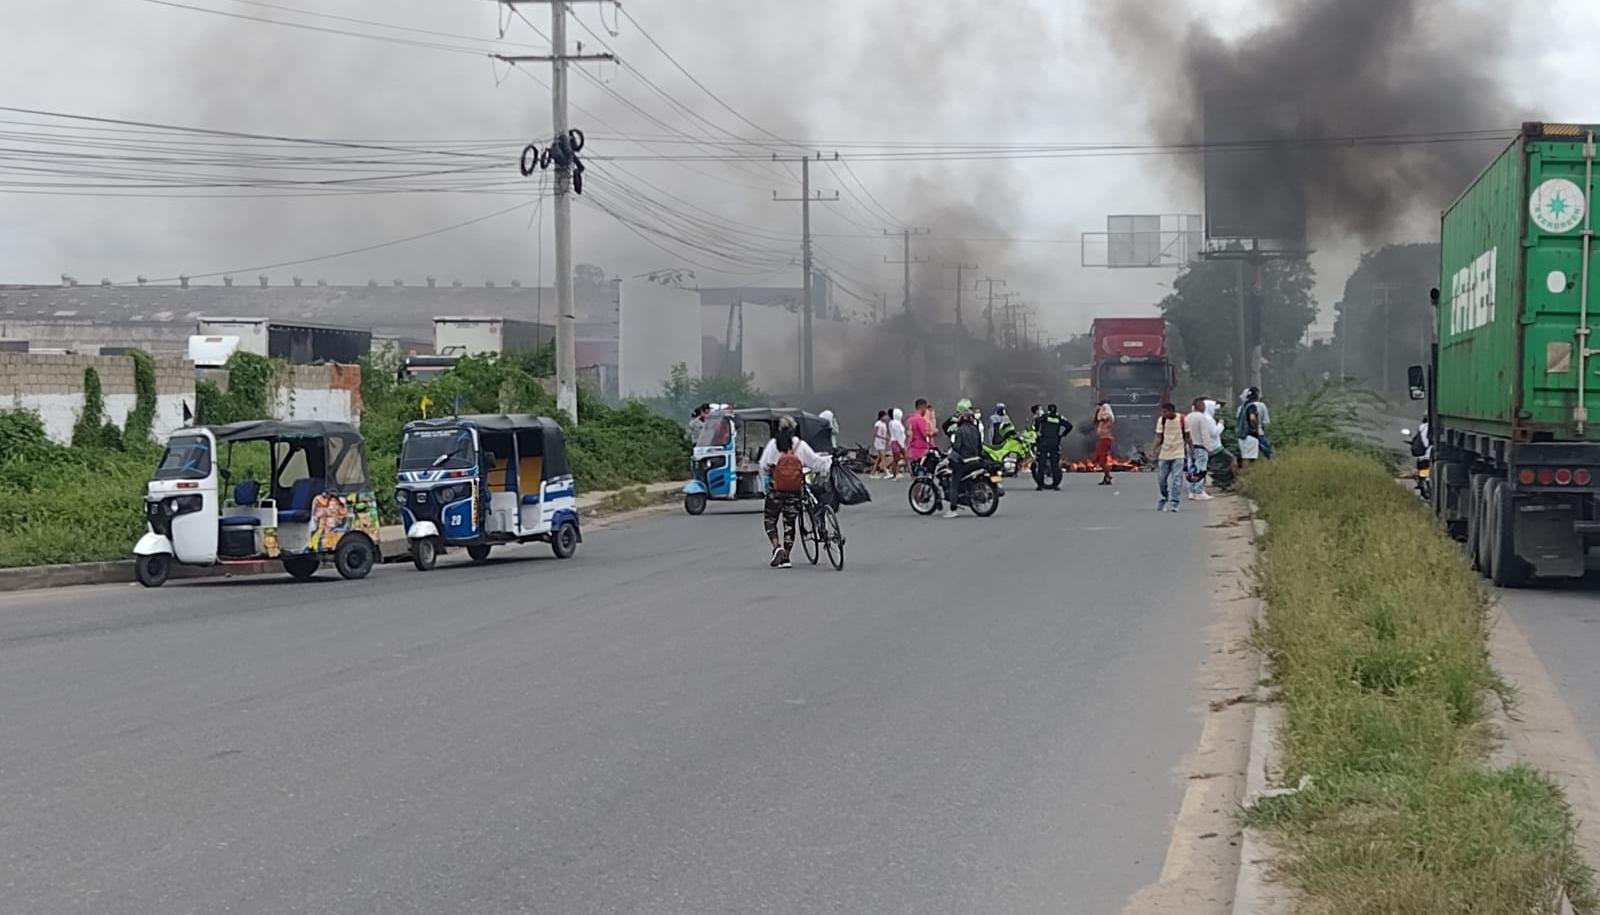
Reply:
x=1104, y=423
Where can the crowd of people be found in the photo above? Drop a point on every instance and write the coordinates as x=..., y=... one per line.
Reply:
x=1187, y=447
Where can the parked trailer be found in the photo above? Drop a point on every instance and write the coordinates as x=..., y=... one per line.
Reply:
x=1131, y=372
x=1517, y=460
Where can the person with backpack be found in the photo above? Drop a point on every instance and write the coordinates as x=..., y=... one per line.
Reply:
x=784, y=463
x=1172, y=451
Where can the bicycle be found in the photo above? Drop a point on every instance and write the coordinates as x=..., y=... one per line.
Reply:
x=819, y=529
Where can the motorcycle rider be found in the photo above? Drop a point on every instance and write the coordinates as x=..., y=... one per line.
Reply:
x=1051, y=428
x=966, y=450
x=998, y=423
x=963, y=406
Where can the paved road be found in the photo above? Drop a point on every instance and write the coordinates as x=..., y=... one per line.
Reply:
x=1561, y=621
x=976, y=716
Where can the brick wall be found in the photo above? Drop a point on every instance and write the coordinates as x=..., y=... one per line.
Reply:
x=52, y=385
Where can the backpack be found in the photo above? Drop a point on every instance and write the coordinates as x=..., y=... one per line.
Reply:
x=788, y=475
x=1418, y=449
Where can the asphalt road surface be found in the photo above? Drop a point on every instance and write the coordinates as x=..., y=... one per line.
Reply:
x=976, y=716
x=1561, y=621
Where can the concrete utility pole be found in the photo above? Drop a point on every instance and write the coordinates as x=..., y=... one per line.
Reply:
x=1011, y=319
x=566, y=314
x=988, y=313
x=959, y=268
x=907, y=261
x=807, y=380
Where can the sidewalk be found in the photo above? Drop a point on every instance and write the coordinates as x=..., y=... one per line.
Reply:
x=391, y=543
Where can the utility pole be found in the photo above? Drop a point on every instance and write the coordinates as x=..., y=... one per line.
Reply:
x=807, y=379
x=959, y=268
x=988, y=313
x=1011, y=319
x=907, y=261
x=566, y=314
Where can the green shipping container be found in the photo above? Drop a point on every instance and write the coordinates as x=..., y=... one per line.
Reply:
x=1511, y=295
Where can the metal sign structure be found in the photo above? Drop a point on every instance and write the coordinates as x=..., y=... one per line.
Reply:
x=1142, y=241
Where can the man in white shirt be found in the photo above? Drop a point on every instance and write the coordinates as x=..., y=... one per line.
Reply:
x=1205, y=438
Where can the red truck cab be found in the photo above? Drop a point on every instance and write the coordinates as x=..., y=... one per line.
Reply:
x=1132, y=373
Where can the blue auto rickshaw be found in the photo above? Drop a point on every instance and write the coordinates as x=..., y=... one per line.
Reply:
x=727, y=455
x=483, y=480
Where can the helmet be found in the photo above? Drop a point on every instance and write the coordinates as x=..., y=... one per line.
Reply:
x=963, y=405
x=1000, y=408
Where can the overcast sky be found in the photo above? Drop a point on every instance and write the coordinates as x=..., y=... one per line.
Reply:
x=833, y=73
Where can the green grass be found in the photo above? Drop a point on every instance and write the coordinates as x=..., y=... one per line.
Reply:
x=1378, y=635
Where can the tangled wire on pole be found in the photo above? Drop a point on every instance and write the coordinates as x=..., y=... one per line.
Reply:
x=562, y=152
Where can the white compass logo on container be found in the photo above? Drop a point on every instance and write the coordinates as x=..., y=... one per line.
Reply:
x=1557, y=206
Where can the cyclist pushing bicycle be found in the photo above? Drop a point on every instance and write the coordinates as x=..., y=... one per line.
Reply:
x=784, y=463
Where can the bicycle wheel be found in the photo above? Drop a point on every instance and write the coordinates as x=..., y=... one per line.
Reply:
x=806, y=533
x=832, y=536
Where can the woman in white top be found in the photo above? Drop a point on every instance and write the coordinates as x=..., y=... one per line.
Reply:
x=784, y=463
x=897, y=445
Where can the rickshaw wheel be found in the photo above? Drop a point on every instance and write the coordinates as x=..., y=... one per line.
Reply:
x=424, y=553
x=478, y=551
x=302, y=567
x=353, y=557
x=564, y=542
x=694, y=503
x=152, y=570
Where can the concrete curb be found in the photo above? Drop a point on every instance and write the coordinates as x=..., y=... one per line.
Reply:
x=392, y=545
x=1255, y=891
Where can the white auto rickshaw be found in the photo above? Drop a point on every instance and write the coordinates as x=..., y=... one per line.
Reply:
x=314, y=505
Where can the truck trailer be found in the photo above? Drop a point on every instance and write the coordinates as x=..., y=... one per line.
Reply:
x=1517, y=459
x=1132, y=373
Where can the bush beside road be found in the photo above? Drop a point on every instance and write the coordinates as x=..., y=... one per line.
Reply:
x=1377, y=634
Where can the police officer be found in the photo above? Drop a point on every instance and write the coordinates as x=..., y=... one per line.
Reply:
x=1051, y=429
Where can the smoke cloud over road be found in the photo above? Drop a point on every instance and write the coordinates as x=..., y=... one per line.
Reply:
x=1323, y=69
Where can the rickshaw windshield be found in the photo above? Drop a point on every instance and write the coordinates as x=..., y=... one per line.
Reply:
x=186, y=458
x=437, y=449
x=718, y=430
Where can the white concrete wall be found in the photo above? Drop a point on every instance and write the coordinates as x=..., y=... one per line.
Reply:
x=658, y=327
x=52, y=386
x=327, y=392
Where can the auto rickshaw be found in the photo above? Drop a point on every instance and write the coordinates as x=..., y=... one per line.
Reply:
x=727, y=456
x=314, y=504
x=482, y=480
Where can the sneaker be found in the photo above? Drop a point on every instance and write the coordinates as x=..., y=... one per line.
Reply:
x=1161, y=505
x=949, y=513
x=783, y=560
x=1173, y=508
x=777, y=556
x=1204, y=497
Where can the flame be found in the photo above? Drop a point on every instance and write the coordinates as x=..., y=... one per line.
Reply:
x=1118, y=465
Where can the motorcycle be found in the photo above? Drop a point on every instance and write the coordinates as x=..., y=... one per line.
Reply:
x=857, y=458
x=1015, y=451
x=1423, y=455
x=979, y=488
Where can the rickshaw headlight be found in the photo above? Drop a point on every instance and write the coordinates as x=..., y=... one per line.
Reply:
x=182, y=505
x=399, y=497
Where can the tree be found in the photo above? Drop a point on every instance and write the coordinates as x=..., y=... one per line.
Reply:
x=1203, y=310
x=680, y=393
x=1385, y=322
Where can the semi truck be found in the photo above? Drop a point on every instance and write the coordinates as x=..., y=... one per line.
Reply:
x=1131, y=372
x=1513, y=375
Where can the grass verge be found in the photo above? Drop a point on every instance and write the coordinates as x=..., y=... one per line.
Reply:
x=1378, y=635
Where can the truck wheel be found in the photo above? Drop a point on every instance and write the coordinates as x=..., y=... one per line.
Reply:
x=1506, y=568
x=1476, y=518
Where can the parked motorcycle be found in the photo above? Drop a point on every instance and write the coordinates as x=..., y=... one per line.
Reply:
x=857, y=458
x=979, y=489
x=1014, y=452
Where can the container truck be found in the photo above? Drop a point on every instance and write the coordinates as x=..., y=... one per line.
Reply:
x=1131, y=372
x=1513, y=374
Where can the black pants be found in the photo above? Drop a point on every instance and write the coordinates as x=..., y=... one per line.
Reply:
x=1049, y=467
x=784, y=506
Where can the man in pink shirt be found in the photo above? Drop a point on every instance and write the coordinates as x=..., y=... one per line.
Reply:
x=919, y=433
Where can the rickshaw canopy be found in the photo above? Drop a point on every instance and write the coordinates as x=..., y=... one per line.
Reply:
x=814, y=430
x=535, y=436
x=341, y=466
